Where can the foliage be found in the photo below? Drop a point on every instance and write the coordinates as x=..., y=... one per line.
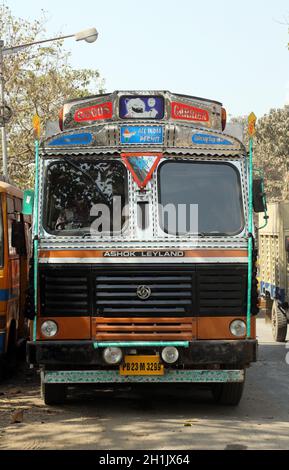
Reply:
x=37, y=79
x=271, y=151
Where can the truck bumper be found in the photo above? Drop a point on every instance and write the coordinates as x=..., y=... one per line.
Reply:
x=83, y=354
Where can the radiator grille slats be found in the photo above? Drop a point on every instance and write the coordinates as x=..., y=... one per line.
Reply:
x=143, y=329
x=222, y=291
x=64, y=295
x=176, y=290
x=171, y=292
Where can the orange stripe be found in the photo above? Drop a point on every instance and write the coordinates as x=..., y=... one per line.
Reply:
x=219, y=327
x=100, y=254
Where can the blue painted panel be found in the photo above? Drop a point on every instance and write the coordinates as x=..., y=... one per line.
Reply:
x=2, y=343
x=274, y=291
x=141, y=135
x=84, y=138
x=141, y=107
x=207, y=139
x=4, y=295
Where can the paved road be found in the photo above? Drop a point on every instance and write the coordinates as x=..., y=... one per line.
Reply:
x=165, y=419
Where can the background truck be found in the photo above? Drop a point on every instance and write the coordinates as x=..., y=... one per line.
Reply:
x=274, y=267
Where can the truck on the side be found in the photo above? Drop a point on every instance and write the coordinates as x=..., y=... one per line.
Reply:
x=14, y=266
x=274, y=267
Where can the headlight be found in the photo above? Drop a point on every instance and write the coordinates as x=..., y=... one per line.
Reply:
x=49, y=328
x=170, y=354
x=238, y=328
x=112, y=355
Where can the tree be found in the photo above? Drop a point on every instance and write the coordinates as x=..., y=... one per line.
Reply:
x=271, y=151
x=37, y=80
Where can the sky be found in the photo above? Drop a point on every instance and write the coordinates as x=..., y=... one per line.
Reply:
x=233, y=51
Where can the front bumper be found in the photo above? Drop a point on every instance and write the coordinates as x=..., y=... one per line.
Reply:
x=83, y=354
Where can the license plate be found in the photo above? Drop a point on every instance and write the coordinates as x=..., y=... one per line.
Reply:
x=141, y=365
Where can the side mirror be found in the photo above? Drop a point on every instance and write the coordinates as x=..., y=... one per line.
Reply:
x=28, y=200
x=18, y=237
x=259, y=197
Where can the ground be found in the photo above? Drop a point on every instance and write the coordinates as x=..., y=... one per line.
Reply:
x=183, y=418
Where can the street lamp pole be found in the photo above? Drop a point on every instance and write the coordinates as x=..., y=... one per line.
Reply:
x=89, y=35
x=2, y=111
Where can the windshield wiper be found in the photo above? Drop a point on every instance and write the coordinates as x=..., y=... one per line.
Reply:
x=104, y=197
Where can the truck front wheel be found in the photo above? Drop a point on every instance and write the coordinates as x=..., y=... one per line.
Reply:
x=228, y=393
x=279, y=323
x=53, y=394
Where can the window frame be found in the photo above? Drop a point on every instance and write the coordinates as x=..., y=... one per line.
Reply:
x=203, y=162
x=75, y=233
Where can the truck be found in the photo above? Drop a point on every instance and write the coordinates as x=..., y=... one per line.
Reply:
x=15, y=252
x=274, y=268
x=142, y=247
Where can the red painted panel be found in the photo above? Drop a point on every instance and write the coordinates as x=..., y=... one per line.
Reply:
x=186, y=112
x=94, y=113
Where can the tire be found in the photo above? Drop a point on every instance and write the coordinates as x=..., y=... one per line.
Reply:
x=279, y=323
x=228, y=394
x=53, y=394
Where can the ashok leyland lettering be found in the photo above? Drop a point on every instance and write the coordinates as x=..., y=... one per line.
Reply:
x=141, y=259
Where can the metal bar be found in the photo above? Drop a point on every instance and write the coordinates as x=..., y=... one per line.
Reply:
x=2, y=106
x=250, y=240
x=35, y=235
x=15, y=49
x=113, y=376
x=132, y=344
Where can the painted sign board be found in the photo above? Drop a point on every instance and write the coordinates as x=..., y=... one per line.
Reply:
x=85, y=138
x=208, y=139
x=251, y=124
x=141, y=135
x=185, y=112
x=141, y=165
x=141, y=107
x=94, y=113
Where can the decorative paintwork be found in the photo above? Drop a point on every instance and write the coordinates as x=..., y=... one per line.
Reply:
x=210, y=139
x=141, y=107
x=151, y=135
x=113, y=376
x=185, y=112
x=94, y=113
x=141, y=166
x=83, y=138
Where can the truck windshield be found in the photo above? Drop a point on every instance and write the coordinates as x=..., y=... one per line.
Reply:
x=85, y=197
x=202, y=198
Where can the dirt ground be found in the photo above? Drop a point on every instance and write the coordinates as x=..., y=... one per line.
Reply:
x=159, y=418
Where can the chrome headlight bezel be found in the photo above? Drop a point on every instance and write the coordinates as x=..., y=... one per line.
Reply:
x=170, y=354
x=112, y=355
x=238, y=328
x=49, y=328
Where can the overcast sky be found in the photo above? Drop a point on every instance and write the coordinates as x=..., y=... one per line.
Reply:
x=231, y=51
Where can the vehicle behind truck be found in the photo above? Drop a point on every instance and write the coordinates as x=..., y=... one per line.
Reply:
x=15, y=250
x=141, y=265
x=274, y=267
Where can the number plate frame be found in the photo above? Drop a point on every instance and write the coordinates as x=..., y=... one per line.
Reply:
x=142, y=365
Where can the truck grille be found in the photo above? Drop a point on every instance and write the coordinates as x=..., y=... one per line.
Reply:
x=221, y=291
x=64, y=294
x=133, y=329
x=176, y=291
x=171, y=293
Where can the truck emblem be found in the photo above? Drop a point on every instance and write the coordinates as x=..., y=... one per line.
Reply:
x=143, y=292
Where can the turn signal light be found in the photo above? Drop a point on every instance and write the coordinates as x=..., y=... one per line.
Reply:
x=61, y=119
x=224, y=119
